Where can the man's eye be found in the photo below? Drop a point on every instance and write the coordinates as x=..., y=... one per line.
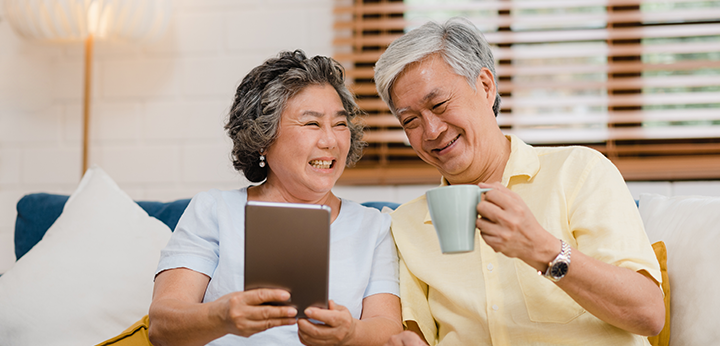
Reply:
x=439, y=105
x=407, y=121
x=342, y=124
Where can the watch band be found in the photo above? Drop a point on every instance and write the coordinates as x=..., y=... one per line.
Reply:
x=558, y=267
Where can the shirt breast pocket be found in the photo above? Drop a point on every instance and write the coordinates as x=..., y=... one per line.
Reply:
x=545, y=301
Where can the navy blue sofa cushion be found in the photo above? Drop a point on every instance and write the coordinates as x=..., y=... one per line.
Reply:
x=380, y=205
x=36, y=212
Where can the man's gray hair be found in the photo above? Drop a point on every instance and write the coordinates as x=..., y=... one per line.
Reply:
x=459, y=43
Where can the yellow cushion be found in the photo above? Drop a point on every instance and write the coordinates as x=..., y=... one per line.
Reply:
x=136, y=335
x=663, y=339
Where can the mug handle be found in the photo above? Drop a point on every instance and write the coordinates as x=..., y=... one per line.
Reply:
x=481, y=191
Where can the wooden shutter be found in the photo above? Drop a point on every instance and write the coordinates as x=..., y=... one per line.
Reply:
x=637, y=80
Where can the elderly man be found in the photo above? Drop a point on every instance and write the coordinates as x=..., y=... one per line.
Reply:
x=564, y=213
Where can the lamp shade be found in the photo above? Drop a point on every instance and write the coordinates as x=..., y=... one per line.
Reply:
x=88, y=20
x=71, y=20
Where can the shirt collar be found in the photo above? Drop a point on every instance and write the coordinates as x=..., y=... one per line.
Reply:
x=523, y=160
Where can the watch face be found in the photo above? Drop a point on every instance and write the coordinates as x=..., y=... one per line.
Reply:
x=559, y=270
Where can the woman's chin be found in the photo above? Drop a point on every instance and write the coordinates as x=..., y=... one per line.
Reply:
x=323, y=184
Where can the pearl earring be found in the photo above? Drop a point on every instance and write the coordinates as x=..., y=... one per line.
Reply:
x=262, y=159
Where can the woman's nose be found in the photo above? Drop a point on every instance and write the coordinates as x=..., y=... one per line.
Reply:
x=328, y=139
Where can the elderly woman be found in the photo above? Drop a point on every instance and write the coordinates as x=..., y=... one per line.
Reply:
x=293, y=133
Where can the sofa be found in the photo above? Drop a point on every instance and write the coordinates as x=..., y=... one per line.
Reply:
x=86, y=262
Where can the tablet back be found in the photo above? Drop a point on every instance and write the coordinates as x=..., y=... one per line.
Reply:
x=287, y=246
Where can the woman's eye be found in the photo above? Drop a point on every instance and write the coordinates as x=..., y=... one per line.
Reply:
x=312, y=123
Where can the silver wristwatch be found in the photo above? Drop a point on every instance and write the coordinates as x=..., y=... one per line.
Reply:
x=558, y=267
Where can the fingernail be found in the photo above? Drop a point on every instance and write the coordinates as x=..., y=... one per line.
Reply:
x=292, y=312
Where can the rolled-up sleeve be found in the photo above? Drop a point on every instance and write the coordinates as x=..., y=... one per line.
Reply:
x=195, y=241
x=384, y=272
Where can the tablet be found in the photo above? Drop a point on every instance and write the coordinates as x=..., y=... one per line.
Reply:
x=287, y=246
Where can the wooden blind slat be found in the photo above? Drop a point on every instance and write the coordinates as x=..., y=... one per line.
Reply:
x=385, y=136
x=568, y=51
x=616, y=100
x=564, y=35
x=546, y=20
x=590, y=135
x=514, y=70
x=625, y=83
x=576, y=50
x=612, y=100
x=397, y=7
x=686, y=115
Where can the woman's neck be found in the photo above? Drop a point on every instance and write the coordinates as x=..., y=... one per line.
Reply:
x=270, y=193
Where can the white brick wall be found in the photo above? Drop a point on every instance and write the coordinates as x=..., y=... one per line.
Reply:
x=157, y=108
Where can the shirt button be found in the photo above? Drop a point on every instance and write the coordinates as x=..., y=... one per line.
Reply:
x=490, y=267
x=495, y=307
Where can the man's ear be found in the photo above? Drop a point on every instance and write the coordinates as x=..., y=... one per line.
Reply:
x=486, y=83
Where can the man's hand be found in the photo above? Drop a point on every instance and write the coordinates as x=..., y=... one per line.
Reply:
x=406, y=338
x=509, y=227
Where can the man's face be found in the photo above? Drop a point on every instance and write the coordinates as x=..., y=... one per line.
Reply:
x=449, y=125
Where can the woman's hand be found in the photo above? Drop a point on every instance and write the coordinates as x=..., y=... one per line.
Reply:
x=338, y=328
x=243, y=314
x=178, y=317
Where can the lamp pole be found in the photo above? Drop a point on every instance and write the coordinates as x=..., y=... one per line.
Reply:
x=86, y=102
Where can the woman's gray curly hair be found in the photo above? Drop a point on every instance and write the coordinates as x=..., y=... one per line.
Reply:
x=261, y=97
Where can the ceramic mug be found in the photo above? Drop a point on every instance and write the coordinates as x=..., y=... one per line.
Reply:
x=453, y=210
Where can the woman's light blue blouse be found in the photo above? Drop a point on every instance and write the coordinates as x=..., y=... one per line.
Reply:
x=209, y=238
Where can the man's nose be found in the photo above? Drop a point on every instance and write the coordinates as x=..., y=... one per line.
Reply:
x=434, y=126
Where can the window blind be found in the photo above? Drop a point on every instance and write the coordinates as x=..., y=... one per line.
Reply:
x=638, y=80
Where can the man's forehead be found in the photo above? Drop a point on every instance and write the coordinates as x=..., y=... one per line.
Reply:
x=423, y=99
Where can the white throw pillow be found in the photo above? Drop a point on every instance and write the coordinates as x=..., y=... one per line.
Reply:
x=91, y=275
x=690, y=228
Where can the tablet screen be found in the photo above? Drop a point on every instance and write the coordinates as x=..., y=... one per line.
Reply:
x=287, y=245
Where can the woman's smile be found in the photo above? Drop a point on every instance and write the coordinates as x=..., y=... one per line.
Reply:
x=322, y=164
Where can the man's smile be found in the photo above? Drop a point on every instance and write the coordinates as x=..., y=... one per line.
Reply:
x=438, y=150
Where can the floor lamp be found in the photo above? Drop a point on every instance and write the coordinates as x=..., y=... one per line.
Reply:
x=88, y=20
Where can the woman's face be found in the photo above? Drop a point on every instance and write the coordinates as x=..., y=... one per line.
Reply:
x=308, y=155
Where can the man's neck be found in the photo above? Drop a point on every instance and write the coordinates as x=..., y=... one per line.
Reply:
x=494, y=169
